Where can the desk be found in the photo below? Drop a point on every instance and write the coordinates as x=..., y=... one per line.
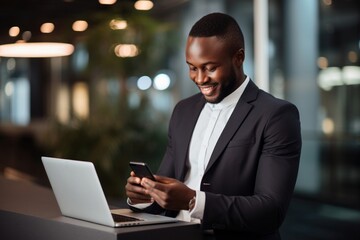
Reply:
x=29, y=211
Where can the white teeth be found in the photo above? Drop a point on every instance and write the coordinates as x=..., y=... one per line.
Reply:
x=206, y=87
x=206, y=90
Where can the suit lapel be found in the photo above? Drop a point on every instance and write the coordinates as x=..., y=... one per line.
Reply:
x=239, y=114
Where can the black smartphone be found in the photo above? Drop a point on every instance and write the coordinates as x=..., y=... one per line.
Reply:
x=142, y=170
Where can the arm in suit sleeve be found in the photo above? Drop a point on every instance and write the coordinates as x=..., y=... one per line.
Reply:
x=277, y=167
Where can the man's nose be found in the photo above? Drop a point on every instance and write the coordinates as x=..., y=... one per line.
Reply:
x=201, y=77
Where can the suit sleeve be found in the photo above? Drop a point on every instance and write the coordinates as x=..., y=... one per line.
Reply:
x=278, y=161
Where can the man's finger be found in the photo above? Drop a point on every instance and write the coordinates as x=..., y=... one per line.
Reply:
x=149, y=184
x=134, y=180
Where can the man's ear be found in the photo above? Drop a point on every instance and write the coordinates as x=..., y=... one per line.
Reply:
x=239, y=57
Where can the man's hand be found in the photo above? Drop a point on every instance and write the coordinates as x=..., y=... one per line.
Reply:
x=169, y=193
x=135, y=192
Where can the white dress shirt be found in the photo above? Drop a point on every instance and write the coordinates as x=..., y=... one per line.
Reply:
x=209, y=126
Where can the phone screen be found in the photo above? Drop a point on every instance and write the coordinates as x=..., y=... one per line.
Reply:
x=142, y=170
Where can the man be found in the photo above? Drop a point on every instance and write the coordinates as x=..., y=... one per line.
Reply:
x=233, y=150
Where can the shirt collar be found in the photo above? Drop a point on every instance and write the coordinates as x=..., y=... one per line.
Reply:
x=232, y=98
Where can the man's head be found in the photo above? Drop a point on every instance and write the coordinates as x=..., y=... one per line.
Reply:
x=215, y=55
x=222, y=26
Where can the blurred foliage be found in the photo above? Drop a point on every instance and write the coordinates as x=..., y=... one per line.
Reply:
x=116, y=133
x=111, y=140
x=156, y=42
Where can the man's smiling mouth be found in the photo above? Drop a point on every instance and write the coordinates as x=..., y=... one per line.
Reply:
x=207, y=90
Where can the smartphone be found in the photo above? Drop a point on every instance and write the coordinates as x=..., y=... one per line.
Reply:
x=142, y=170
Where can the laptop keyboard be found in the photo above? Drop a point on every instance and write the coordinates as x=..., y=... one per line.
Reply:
x=122, y=218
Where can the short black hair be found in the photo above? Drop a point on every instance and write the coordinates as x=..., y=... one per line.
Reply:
x=222, y=26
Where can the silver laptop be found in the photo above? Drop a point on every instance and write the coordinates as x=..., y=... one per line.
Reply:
x=79, y=195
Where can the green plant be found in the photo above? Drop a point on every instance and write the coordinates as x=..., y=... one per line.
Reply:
x=110, y=140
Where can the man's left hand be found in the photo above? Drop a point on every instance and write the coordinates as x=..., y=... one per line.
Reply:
x=169, y=193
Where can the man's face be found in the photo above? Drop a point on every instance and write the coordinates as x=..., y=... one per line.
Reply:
x=212, y=67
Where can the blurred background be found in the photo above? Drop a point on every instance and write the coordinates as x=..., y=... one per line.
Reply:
x=97, y=80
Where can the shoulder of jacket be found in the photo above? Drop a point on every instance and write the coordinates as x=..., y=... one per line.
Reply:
x=190, y=101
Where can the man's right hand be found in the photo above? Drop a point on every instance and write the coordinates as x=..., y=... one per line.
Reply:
x=135, y=192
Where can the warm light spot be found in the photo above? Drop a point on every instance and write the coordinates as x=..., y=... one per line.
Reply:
x=352, y=56
x=47, y=27
x=327, y=2
x=63, y=104
x=143, y=5
x=38, y=49
x=14, y=174
x=328, y=126
x=80, y=26
x=117, y=24
x=126, y=50
x=81, y=100
x=107, y=2
x=14, y=31
x=322, y=62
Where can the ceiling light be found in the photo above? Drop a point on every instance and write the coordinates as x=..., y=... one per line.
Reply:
x=117, y=24
x=80, y=26
x=36, y=50
x=14, y=31
x=47, y=27
x=143, y=5
x=107, y=2
x=126, y=50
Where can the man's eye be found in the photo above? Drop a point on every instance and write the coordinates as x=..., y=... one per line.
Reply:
x=211, y=69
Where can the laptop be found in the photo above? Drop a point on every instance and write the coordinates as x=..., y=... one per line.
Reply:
x=79, y=195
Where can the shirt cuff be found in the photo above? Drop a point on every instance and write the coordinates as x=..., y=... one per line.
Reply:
x=139, y=205
x=198, y=210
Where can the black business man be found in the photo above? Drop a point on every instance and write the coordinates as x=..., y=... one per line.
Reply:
x=233, y=150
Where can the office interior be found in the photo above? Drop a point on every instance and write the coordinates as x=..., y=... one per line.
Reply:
x=107, y=96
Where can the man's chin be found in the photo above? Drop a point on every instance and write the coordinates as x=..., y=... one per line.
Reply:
x=212, y=99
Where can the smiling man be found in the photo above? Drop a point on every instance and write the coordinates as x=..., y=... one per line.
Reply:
x=233, y=150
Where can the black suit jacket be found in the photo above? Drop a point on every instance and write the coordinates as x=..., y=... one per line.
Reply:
x=252, y=171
